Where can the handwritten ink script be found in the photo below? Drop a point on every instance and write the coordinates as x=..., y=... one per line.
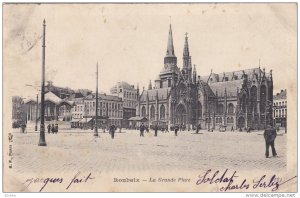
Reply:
x=10, y=149
x=77, y=179
x=230, y=181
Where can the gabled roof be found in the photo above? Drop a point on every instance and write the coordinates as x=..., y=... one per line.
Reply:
x=49, y=96
x=162, y=94
x=280, y=96
x=234, y=75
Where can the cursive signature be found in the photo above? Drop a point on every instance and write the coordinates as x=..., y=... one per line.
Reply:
x=230, y=181
x=77, y=179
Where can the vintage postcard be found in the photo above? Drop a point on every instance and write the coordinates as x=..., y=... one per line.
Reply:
x=150, y=97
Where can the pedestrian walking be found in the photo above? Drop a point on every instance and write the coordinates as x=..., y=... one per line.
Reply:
x=52, y=128
x=142, y=128
x=56, y=128
x=270, y=136
x=248, y=130
x=155, y=130
x=232, y=129
x=112, y=130
x=23, y=127
x=49, y=128
x=198, y=128
x=176, y=130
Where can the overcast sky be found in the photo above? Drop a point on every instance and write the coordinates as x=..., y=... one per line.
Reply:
x=129, y=42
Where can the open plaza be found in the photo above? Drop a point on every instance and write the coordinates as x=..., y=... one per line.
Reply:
x=71, y=150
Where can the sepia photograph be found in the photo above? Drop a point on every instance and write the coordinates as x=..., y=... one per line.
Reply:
x=150, y=97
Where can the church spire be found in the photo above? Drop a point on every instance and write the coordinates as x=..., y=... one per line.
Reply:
x=187, y=61
x=170, y=55
x=186, y=51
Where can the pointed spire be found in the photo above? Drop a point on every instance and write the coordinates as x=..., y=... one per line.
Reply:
x=170, y=47
x=170, y=57
x=186, y=51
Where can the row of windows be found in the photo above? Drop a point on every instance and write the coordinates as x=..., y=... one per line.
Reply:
x=103, y=104
x=113, y=113
x=77, y=115
x=280, y=113
x=279, y=104
x=162, y=112
x=78, y=108
x=129, y=103
x=129, y=95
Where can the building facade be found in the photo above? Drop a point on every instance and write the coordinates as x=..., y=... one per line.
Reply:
x=280, y=109
x=235, y=100
x=129, y=96
x=110, y=109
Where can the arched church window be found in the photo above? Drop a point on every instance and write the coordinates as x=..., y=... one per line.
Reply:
x=263, y=98
x=199, y=109
x=253, y=96
x=162, y=112
x=230, y=108
x=220, y=108
x=152, y=112
x=143, y=111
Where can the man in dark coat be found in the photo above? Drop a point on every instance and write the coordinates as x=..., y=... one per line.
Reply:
x=176, y=130
x=52, y=128
x=56, y=128
x=112, y=131
x=142, y=128
x=49, y=128
x=155, y=130
x=270, y=135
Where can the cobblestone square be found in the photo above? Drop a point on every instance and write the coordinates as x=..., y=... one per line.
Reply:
x=73, y=150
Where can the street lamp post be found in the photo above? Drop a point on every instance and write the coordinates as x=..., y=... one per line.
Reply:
x=36, y=111
x=96, y=111
x=42, y=141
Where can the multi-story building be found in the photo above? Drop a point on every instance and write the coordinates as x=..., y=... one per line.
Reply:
x=129, y=96
x=78, y=112
x=238, y=99
x=280, y=109
x=110, y=110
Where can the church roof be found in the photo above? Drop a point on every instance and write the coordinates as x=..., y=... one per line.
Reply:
x=162, y=94
x=280, y=96
x=230, y=86
x=234, y=75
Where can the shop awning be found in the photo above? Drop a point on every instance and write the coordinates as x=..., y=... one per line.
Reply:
x=85, y=120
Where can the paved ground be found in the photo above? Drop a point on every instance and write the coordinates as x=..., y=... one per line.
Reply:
x=80, y=150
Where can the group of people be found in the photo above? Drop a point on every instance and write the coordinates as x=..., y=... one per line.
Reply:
x=52, y=128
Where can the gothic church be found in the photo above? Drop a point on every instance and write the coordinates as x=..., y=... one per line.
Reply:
x=238, y=99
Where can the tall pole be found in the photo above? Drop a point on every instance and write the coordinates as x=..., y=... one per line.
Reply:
x=42, y=141
x=36, y=111
x=96, y=111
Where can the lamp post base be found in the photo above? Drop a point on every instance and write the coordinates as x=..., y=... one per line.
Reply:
x=96, y=132
x=42, y=143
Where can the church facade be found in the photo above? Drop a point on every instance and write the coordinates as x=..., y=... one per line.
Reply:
x=232, y=100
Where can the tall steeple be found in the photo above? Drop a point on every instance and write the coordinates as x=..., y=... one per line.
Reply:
x=170, y=57
x=187, y=61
